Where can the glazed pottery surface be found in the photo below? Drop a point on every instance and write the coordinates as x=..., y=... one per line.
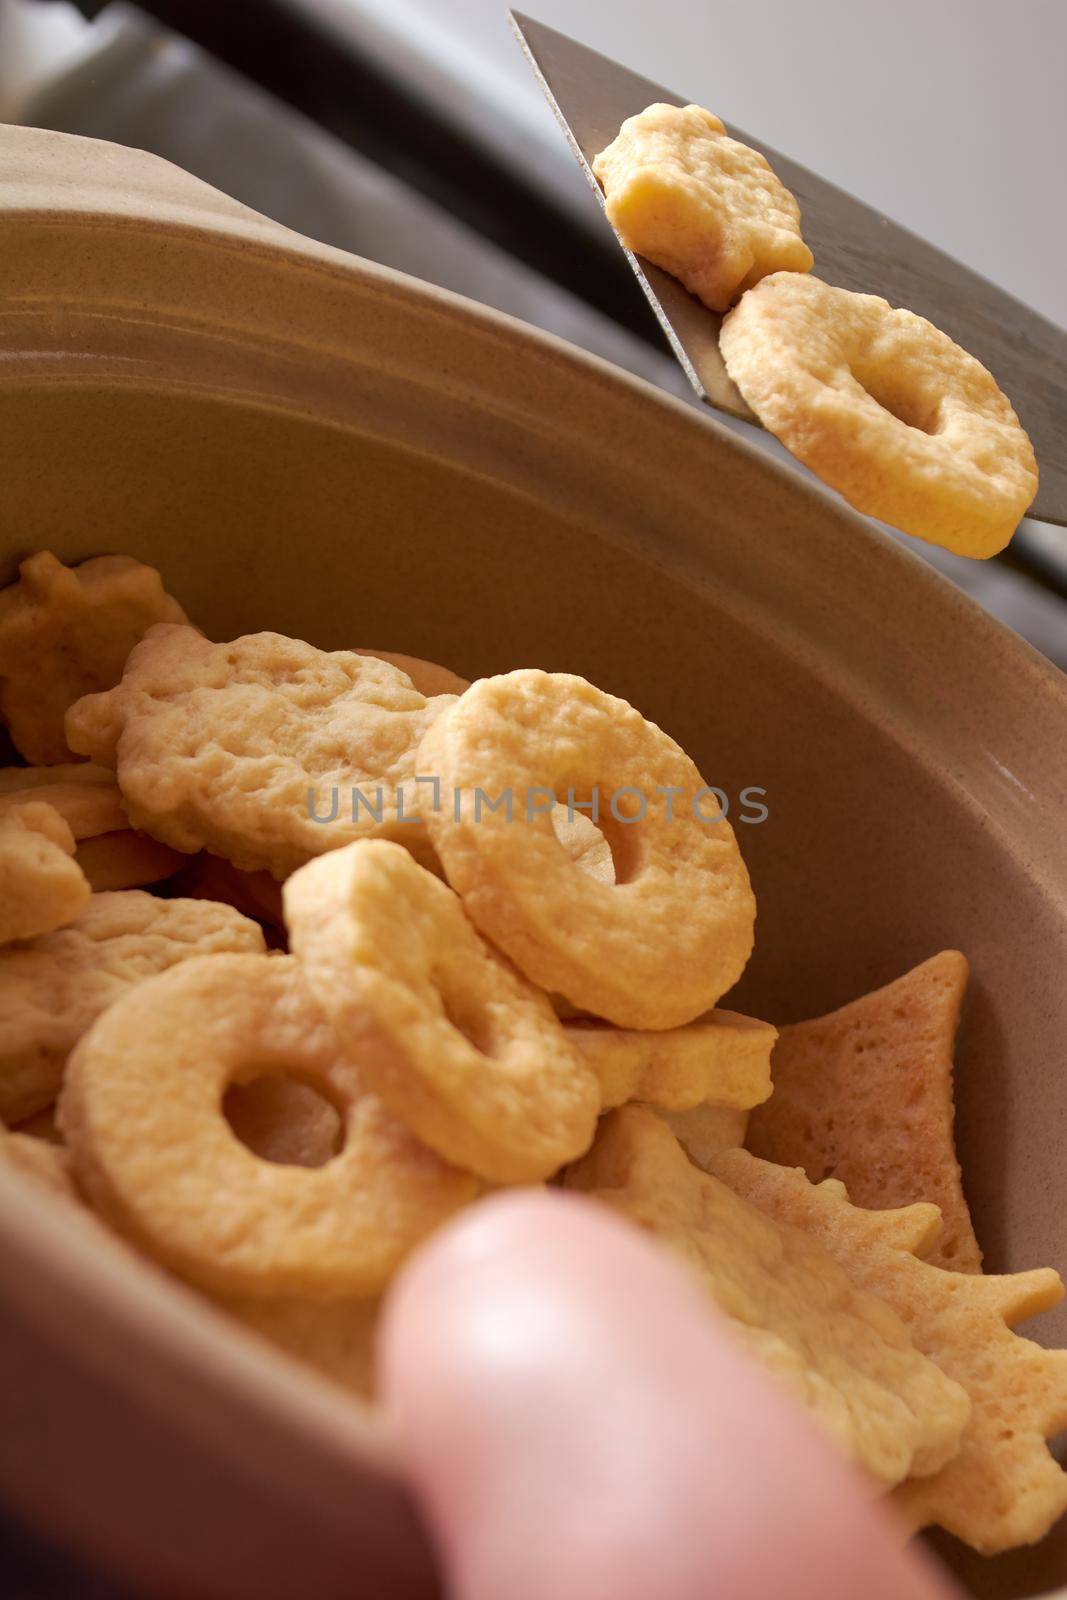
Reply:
x=305, y=442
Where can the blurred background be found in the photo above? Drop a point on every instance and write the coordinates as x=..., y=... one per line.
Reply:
x=412, y=132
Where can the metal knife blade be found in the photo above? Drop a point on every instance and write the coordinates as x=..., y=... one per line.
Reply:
x=854, y=246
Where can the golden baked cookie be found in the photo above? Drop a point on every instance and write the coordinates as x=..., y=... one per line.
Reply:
x=846, y=1356
x=43, y=1162
x=66, y=632
x=88, y=809
x=703, y=206
x=885, y=408
x=142, y=1116
x=457, y=1043
x=53, y=988
x=336, y=1338
x=1004, y=1487
x=655, y=949
x=723, y=1058
x=265, y=751
x=41, y=886
x=865, y=1095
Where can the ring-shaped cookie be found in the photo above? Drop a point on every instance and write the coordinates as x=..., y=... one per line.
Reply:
x=885, y=408
x=654, y=949
x=142, y=1116
x=451, y=1037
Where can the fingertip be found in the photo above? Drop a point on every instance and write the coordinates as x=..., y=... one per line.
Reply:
x=579, y=1423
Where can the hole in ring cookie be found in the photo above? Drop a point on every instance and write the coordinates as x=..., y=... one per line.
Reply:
x=602, y=849
x=470, y=1020
x=897, y=394
x=284, y=1120
x=665, y=936
x=629, y=853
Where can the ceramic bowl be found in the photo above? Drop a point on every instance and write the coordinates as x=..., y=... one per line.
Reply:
x=306, y=442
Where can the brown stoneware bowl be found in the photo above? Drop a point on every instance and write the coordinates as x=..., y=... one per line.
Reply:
x=306, y=442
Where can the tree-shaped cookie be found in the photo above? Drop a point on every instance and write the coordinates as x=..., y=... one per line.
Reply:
x=846, y=1356
x=1004, y=1488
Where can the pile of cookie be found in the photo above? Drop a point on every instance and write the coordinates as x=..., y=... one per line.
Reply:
x=879, y=403
x=372, y=941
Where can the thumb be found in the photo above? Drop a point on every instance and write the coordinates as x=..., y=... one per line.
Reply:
x=579, y=1425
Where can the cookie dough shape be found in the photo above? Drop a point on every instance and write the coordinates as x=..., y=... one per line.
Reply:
x=655, y=949
x=53, y=988
x=252, y=750
x=41, y=886
x=142, y=1116
x=456, y=1042
x=66, y=632
x=885, y=408
x=703, y=206
x=109, y=852
x=1004, y=1488
x=846, y=1357
x=724, y=1058
x=865, y=1095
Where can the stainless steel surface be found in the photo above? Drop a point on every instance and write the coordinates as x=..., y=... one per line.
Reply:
x=855, y=247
